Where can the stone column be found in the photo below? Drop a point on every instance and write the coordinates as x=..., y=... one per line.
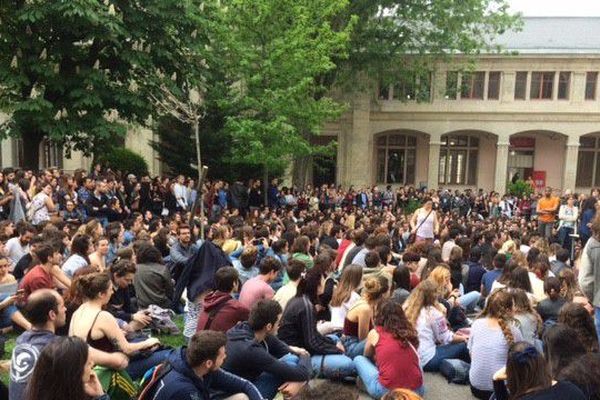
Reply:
x=360, y=144
x=570, y=167
x=434, y=162
x=501, y=165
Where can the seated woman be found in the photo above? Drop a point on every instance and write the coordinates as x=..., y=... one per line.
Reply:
x=451, y=299
x=491, y=335
x=393, y=345
x=436, y=341
x=101, y=330
x=299, y=328
x=345, y=295
x=9, y=295
x=576, y=316
x=359, y=320
x=81, y=248
x=98, y=257
x=527, y=376
x=561, y=347
x=152, y=280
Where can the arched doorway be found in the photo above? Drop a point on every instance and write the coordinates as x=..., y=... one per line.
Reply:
x=396, y=157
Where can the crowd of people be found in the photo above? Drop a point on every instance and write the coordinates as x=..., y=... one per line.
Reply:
x=366, y=289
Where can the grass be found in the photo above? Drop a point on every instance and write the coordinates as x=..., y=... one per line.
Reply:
x=166, y=340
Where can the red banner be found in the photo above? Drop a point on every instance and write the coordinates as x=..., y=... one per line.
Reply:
x=539, y=178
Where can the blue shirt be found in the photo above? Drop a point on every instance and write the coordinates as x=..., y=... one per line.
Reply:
x=489, y=278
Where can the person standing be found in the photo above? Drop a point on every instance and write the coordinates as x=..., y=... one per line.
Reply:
x=567, y=215
x=546, y=210
x=589, y=271
x=424, y=222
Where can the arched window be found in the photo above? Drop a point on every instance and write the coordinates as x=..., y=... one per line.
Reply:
x=396, y=155
x=458, y=160
x=588, y=162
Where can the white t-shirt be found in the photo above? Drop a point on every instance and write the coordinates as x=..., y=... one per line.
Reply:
x=338, y=314
x=15, y=250
x=73, y=264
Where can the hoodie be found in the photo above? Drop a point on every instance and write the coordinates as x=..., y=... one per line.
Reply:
x=181, y=383
x=225, y=310
x=589, y=271
x=248, y=358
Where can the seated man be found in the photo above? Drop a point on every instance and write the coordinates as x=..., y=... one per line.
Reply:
x=259, y=287
x=220, y=311
x=256, y=354
x=46, y=310
x=195, y=373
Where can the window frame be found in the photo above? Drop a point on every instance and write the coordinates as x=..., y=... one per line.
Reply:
x=445, y=150
x=518, y=74
x=543, y=75
x=499, y=85
x=595, y=85
x=406, y=147
x=568, y=85
x=472, y=78
x=595, y=150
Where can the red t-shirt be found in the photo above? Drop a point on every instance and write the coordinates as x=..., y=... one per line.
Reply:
x=36, y=278
x=398, y=363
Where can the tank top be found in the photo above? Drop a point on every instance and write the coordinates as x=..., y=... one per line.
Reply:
x=397, y=362
x=426, y=225
x=351, y=328
x=102, y=344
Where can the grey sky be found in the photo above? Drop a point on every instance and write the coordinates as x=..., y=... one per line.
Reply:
x=556, y=8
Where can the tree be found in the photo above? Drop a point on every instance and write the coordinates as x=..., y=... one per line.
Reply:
x=79, y=71
x=279, y=47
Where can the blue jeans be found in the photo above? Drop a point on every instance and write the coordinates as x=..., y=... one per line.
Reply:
x=445, y=352
x=368, y=373
x=353, y=346
x=333, y=366
x=564, y=239
x=7, y=312
x=138, y=367
x=268, y=384
x=468, y=301
x=597, y=321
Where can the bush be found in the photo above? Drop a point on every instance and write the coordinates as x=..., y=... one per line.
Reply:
x=124, y=160
x=520, y=188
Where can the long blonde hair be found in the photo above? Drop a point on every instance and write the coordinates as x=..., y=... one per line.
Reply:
x=439, y=276
x=424, y=295
x=349, y=282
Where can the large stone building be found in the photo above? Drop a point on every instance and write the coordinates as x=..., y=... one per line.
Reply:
x=535, y=113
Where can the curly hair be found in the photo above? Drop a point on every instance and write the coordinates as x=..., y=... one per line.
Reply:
x=392, y=319
x=500, y=306
x=576, y=316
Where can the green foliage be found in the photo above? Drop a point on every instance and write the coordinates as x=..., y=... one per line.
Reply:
x=412, y=206
x=520, y=188
x=78, y=71
x=124, y=160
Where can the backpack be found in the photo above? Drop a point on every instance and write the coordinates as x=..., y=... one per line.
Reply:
x=151, y=378
x=117, y=384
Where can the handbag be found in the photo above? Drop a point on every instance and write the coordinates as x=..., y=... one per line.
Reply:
x=413, y=236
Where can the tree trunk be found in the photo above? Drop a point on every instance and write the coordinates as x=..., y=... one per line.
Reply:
x=200, y=183
x=300, y=174
x=266, y=184
x=31, y=149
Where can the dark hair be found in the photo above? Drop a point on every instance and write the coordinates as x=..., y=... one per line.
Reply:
x=327, y=390
x=526, y=370
x=552, y=287
x=26, y=227
x=183, y=226
x=58, y=371
x=576, y=316
x=392, y=319
x=585, y=373
x=269, y=264
x=309, y=285
x=225, y=279
x=401, y=277
x=294, y=269
x=300, y=244
x=123, y=267
x=519, y=279
x=372, y=259
x=204, y=346
x=44, y=252
x=91, y=285
x=507, y=271
x=562, y=255
x=499, y=261
x=80, y=245
x=39, y=304
x=147, y=253
x=264, y=312
x=561, y=346
x=410, y=256
x=475, y=255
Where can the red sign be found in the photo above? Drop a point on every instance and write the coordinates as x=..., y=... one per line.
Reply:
x=522, y=142
x=539, y=178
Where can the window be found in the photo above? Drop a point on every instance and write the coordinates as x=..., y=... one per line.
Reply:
x=494, y=85
x=396, y=159
x=458, y=160
x=588, y=162
x=591, y=81
x=564, y=83
x=414, y=86
x=542, y=84
x=472, y=85
x=51, y=154
x=521, y=85
x=451, y=85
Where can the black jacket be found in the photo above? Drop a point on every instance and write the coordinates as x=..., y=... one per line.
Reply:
x=299, y=328
x=248, y=358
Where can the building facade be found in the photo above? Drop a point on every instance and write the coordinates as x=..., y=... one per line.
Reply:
x=532, y=112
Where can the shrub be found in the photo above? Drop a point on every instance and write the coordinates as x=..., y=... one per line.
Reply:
x=124, y=160
x=520, y=188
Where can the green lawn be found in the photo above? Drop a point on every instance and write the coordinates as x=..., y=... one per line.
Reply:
x=173, y=341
